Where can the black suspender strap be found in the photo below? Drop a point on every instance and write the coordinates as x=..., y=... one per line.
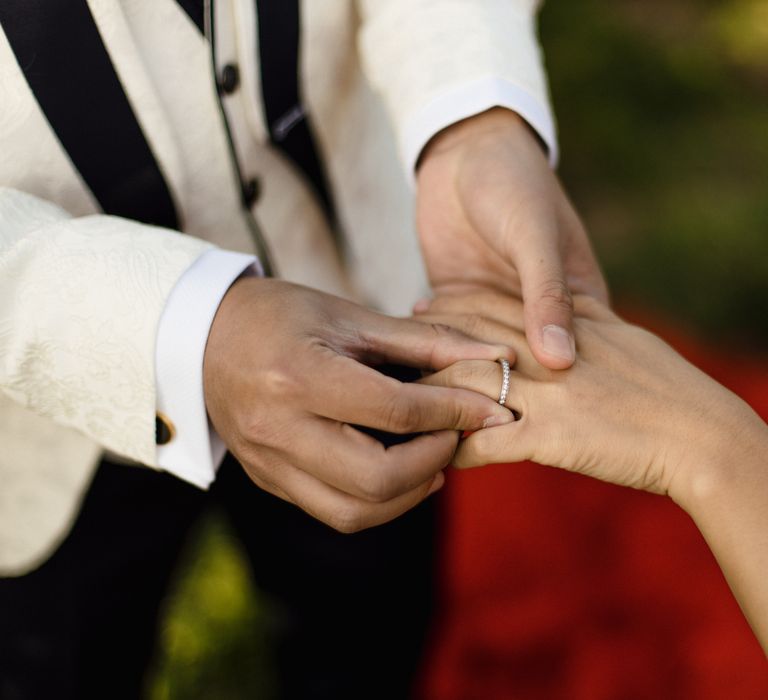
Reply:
x=196, y=11
x=59, y=49
x=286, y=117
x=284, y=112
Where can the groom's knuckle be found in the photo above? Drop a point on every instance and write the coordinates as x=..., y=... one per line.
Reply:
x=402, y=415
x=376, y=485
x=281, y=381
x=347, y=519
x=554, y=292
x=443, y=332
x=257, y=428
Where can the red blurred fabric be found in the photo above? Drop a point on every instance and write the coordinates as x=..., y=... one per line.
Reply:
x=559, y=586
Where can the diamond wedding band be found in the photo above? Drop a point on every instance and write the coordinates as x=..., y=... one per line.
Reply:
x=504, y=381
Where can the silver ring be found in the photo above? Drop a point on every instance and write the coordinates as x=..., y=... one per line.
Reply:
x=504, y=381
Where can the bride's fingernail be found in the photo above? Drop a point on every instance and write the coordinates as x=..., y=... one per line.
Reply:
x=421, y=306
x=558, y=342
x=492, y=421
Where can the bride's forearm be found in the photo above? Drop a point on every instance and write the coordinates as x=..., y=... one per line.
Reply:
x=727, y=497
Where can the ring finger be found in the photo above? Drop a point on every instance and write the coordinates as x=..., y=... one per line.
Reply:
x=485, y=378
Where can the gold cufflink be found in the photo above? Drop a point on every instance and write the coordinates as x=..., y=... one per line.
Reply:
x=165, y=430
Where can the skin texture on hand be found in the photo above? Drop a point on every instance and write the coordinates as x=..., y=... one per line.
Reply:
x=491, y=214
x=627, y=412
x=285, y=374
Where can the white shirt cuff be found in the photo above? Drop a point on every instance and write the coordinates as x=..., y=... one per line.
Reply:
x=195, y=451
x=471, y=99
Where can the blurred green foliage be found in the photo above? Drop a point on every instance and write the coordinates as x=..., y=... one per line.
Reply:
x=213, y=637
x=663, y=114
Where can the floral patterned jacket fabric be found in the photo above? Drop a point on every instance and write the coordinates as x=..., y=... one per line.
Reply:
x=81, y=293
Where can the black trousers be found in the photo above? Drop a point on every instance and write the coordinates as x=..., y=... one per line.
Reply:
x=353, y=609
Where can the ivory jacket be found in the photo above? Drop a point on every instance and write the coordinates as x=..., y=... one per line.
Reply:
x=82, y=291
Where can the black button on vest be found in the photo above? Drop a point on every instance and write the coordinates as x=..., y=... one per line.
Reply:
x=229, y=80
x=251, y=191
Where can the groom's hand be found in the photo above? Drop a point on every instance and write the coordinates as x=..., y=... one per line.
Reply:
x=286, y=372
x=492, y=214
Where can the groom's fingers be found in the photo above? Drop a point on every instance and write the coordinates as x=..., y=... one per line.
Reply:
x=345, y=390
x=338, y=509
x=479, y=326
x=496, y=306
x=433, y=346
x=347, y=513
x=513, y=442
x=485, y=378
x=486, y=329
x=525, y=231
x=548, y=303
x=281, y=361
x=359, y=465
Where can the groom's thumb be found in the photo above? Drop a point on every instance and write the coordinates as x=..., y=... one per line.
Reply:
x=548, y=309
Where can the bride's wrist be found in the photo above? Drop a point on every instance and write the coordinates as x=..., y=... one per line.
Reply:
x=728, y=459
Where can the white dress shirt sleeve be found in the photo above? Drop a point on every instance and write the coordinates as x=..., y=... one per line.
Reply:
x=467, y=100
x=195, y=451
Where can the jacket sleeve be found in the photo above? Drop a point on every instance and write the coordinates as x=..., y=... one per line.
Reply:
x=80, y=302
x=438, y=61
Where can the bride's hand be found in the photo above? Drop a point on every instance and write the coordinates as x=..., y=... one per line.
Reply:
x=630, y=411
